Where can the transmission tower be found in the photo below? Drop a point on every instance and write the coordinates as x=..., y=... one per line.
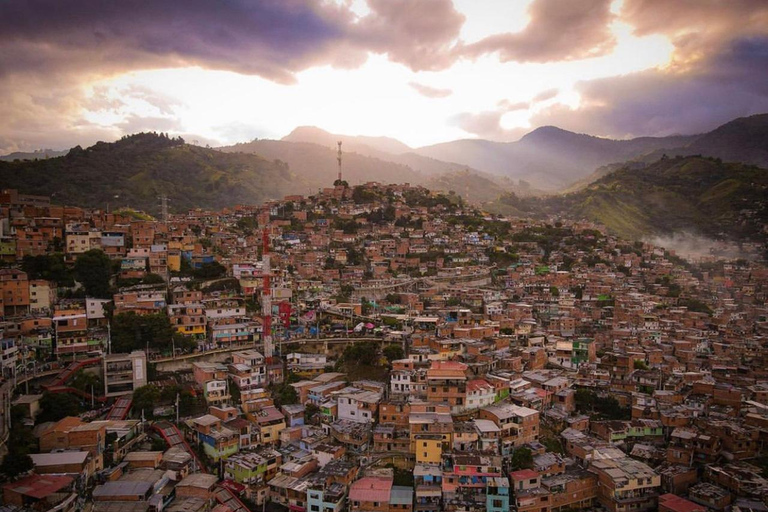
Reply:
x=338, y=158
x=164, y=207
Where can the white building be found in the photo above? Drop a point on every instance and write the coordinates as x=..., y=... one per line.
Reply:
x=124, y=373
x=358, y=405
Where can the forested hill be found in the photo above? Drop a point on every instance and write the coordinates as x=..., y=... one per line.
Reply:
x=691, y=194
x=138, y=168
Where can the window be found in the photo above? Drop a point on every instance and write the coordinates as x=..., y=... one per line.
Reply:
x=314, y=508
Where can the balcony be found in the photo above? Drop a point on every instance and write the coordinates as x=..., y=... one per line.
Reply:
x=636, y=496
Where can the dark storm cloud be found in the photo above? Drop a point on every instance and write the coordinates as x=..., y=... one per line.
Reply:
x=710, y=92
x=271, y=38
x=49, y=49
x=558, y=30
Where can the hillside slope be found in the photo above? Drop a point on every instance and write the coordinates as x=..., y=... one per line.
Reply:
x=139, y=168
x=692, y=194
x=316, y=166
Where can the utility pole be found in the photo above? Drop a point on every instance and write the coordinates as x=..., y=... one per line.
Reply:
x=266, y=299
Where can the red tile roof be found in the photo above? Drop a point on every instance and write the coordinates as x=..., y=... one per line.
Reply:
x=678, y=504
x=524, y=474
x=371, y=488
x=39, y=486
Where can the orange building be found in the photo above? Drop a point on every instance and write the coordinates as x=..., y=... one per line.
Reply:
x=14, y=292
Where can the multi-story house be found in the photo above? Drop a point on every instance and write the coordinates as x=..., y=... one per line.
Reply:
x=370, y=494
x=70, y=330
x=358, y=405
x=519, y=425
x=188, y=319
x=218, y=441
x=124, y=373
x=625, y=485
x=14, y=292
x=447, y=383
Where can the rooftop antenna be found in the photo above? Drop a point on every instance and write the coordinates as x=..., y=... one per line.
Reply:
x=338, y=158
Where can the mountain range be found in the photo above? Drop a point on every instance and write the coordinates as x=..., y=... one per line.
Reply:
x=550, y=158
x=503, y=176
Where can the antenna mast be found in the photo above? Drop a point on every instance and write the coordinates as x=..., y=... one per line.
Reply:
x=338, y=158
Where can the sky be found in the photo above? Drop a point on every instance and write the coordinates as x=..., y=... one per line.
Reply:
x=73, y=72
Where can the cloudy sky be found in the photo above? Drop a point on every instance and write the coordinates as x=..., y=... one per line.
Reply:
x=423, y=71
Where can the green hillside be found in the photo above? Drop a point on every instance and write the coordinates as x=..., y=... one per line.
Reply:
x=682, y=194
x=140, y=167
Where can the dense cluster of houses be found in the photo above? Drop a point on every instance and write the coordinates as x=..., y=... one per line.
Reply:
x=544, y=366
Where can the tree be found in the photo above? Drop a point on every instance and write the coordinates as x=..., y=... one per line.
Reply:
x=285, y=394
x=94, y=270
x=21, y=442
x=211, y=270
x=364, y=352
x=87, y=381
x=50, y=267
x=522, y=458
x=153, y=279
x=56, y=406
x=393, y=298
x=145, y=398
x=135, y=332
x=187, y=403
x=15, y=463
x=310, y=410
x=393, y=352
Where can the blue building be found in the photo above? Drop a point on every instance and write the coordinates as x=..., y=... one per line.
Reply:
x=497, y=494
x=326, y=498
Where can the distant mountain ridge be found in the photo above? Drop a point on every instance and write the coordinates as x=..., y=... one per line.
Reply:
x=137, y=168
x=358, y=143
x=39, y=154
x=549, y=157
x=554, y=159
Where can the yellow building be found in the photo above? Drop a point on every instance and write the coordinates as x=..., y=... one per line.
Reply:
x=174, y=260
x=429, y=448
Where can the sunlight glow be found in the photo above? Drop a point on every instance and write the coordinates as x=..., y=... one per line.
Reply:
x=375, y=99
